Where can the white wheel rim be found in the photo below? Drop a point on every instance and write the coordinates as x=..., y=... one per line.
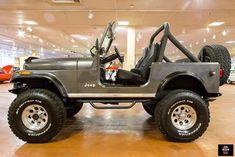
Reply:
x=34, y=117
x=183, y=117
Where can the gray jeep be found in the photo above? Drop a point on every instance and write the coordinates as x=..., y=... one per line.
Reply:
x=176, y=94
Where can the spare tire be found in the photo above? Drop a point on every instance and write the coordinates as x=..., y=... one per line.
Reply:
x=220, y=54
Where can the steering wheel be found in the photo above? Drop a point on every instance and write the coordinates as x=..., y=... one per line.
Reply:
x=120, y=58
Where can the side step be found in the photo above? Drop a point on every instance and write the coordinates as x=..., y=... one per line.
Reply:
x=113, y=106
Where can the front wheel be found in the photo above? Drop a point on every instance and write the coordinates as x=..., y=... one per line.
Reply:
x=36, y=115
x=182, y=116
x=72, y=108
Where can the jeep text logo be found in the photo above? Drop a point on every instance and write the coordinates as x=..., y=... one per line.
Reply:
x=89, y=85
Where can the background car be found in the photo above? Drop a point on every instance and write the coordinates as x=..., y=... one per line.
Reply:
x=6, y=73
x=231, y=78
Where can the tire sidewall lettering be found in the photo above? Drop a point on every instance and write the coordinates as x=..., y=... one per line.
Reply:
x=21, y=126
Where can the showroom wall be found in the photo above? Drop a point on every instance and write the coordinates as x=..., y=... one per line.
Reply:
x=6, y=59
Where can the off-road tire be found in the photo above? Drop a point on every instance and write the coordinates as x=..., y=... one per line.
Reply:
x=54, y=107
x=149, y=107
x=165, y=107
x=73, y=108
x=220, y=54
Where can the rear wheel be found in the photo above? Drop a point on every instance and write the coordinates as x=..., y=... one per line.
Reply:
x=220, y=54
x=36, y=115
x=182, y=116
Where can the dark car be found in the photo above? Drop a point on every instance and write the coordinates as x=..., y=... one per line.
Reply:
x=177, y=94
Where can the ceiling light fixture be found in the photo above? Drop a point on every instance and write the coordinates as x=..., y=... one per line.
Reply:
x=224, y=33
x=72, y=40
x=123, y=23
x=29, y=29
x=208, y=29
x=214, y=36
x=230, y=42
x=216, y=23
x=132, y=6
x=35, y=37
x=204, y=40
x=90, y=15
x=21, y=33
x=30, y=23
x=40, y=40
x=78, y=36
x=83, y=38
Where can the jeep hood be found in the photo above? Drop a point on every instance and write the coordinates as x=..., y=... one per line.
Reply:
x=58, y=63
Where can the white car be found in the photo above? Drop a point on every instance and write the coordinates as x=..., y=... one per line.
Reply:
x=231, y=78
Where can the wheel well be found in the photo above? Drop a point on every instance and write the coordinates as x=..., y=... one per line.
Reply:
x=41, y=83
x=186, y=82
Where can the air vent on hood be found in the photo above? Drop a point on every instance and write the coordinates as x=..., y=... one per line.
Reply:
x=66, y=1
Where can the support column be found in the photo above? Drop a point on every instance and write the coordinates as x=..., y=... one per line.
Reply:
x=130, y=55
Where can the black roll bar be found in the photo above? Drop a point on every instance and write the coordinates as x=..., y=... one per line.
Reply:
x=167, y=35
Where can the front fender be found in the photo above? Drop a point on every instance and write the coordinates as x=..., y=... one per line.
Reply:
x=47, y=76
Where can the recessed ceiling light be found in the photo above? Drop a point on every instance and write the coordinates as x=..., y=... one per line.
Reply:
x=21, y=33
x=30, y=23
x=72, y=40
x=120, y=29
x=204, y=40
x=78, y=36
x=214, y=36
x=224, y=33
x=123, y=23
x=40, y=40
x=230, y=42
x=35, y=37
x=132, y=6
x=216, y=23
x=90, y=15
x=29, y=29
x=53, y=45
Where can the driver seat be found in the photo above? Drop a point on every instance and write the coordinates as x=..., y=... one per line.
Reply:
x=139, y=75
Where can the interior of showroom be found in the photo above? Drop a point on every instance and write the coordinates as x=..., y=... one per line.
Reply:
x=65, y=29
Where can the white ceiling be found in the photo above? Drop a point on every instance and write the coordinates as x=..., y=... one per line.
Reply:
x=56, y=22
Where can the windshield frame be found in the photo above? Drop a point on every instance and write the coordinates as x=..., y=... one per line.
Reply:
x=110, y=35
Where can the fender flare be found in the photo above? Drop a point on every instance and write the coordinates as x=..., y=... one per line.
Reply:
x=49, y=77
x=178, y=74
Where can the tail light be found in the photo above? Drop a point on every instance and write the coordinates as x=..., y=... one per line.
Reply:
x=221, y=72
